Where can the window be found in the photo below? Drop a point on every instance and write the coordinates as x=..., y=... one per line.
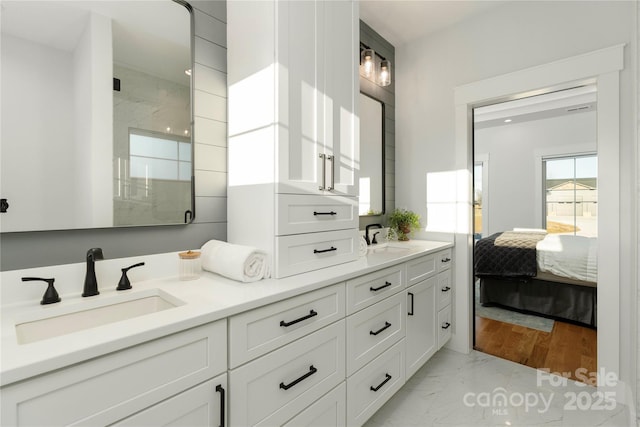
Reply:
x=159, y=156
x=571, y=195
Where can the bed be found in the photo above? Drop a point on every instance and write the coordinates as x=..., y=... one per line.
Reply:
x=547, y=274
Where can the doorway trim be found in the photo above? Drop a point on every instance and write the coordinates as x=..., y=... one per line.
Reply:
x=600, y=67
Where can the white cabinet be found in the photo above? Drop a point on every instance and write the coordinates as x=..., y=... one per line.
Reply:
x=256, y=332
x=369, y=388
x=317, y=88
x=429, y=297
x=201, y=406
x=373, y=330
x=293, y=128
x=110, y=388
x=421, y=324
x=329, y=410
x=273, y=388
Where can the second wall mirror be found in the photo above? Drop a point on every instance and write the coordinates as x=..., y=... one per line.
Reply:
x=371, y=197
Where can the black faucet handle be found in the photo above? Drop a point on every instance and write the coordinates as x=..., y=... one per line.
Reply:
x=374, y=241
x=124, y=282
x=50, y=295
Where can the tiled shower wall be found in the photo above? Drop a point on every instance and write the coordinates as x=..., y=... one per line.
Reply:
x=34, y=249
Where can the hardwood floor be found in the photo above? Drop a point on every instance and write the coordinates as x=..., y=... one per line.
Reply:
x=564, y=350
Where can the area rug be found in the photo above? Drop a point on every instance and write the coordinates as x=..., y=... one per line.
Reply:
x=509, y=316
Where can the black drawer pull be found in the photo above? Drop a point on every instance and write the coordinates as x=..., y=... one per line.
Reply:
x=325, y=213
x=387, y=378
x=386, y=325
x=320, y=251
x=312, y=370
x=293, y=322
x=220, y=389
x=446, y=260
x=446, y=289
x=386, y=285
x=410, y=313
x=446, y=325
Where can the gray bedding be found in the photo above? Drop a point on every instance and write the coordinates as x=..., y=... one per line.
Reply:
x=506, y=254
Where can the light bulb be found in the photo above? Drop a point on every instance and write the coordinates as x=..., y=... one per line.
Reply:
x=368, y=63
x=385, y=73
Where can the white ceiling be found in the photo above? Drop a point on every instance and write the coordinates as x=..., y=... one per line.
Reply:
x=402, y=21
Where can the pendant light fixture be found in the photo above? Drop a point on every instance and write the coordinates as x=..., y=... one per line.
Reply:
x=368, y=63
x=384, y=76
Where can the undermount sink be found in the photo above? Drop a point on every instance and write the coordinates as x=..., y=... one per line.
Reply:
x=81, y=316
x=387, y=248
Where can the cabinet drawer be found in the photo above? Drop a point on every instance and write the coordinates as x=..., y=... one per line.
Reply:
x=256, y=332
x=421, y=268
x=107, y=389
x=274, y=388
x=444, y=326
x=366, y=290
x=307, y=252
x=444, y=259
x=201, y=405
x=445, y=290
x=374, y=384
x=329, y=411
x=297, y=214
x=373, y=330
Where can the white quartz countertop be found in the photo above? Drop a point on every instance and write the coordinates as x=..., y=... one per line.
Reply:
x=207, y=299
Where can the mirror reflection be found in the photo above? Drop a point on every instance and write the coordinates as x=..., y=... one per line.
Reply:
x=371, y=197
x=96, y=114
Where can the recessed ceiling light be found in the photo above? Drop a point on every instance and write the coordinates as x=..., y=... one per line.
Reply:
x=188, y=72
x=507, y=121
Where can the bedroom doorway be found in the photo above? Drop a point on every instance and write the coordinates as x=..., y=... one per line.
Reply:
x=543, y=184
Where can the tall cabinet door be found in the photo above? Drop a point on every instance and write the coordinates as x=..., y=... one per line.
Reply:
x=299, y=67
x=341, y=88
x=422, y=311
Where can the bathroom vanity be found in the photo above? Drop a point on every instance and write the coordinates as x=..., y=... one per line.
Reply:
x=327, y=347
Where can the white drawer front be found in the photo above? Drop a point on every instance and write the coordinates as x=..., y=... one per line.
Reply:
x=256, y=332
x=444, y=326
x=373, y=385
x=274, y=388
x=297, y=214
x=104, y=390
x=444, y=259
x=445, y=290
x=307, y=252
x=329, y=411
x=373, y=330
x=366, y=290
x=198, y=406
x=421, y=268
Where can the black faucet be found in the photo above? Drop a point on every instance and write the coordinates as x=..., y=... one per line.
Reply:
x=90, y=281
x=366, y=233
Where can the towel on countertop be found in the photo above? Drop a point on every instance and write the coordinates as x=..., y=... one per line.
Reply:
x=237, y=262
x=362, y=249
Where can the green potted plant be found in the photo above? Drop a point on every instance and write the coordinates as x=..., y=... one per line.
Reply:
x=402, y=222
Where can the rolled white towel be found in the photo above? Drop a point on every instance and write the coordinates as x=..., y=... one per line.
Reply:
x=237, y=262
x=362, y=249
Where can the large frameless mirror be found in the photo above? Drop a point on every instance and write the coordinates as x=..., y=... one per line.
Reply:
x=96, y=114
x=371, y=197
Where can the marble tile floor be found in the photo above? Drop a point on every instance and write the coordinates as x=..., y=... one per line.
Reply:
x=455, y=389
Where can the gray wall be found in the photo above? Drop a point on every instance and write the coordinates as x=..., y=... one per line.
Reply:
x=387, y=95
x=35, y=249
